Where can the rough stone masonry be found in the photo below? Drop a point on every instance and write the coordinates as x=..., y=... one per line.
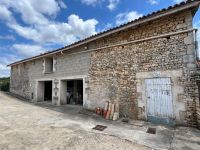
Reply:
x=118, y=73
x=120, y=69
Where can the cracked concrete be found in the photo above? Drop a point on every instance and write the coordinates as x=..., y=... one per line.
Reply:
x=43, y=126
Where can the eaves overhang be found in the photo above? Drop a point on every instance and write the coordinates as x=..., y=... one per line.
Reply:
x=144, y=19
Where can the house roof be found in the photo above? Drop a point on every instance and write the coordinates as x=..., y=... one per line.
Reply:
x=149, y=17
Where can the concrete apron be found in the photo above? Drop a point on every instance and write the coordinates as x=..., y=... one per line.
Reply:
x=135, y=132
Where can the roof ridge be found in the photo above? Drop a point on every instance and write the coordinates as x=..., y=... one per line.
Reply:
x=109, y=30
x=142, y=17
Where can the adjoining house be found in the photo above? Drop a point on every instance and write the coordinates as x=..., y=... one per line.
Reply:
x=146, y=65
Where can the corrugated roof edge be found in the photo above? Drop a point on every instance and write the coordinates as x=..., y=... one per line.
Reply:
x=80, y=42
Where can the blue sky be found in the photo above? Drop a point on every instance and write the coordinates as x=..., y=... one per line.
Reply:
x=31, y=27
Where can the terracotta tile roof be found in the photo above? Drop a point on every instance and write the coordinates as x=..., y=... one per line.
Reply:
x=162, y=11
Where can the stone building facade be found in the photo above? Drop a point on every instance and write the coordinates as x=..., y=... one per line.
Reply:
x=116, y=66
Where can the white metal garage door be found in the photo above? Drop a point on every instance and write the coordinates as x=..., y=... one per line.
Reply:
x=159, y=100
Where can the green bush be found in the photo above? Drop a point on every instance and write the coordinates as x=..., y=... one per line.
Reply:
x=4, y=84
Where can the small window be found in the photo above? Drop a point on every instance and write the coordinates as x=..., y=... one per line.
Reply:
x=48, y=66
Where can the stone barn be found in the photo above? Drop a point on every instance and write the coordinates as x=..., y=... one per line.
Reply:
x=146, y=65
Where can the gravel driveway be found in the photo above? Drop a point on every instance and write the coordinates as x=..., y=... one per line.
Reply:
x=26, y=126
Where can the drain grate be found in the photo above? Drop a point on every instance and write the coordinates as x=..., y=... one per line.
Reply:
x=151, y=130
x=99, y=127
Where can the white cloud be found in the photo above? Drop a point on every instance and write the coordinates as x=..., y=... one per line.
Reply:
x=56, y=32
x=7, y=37
x=126, y=17
x=34, y=11
x=40, y=25
x=4, y=61
x=153, y=2
x=107, y=26
x=4, y=71
x=27, y=50
x=62, y=4
x=7, y=59
x=37, y=23
x=81, y=27
x=5, y=14
x=179, y=1
x=112, y=4
x=90, y=2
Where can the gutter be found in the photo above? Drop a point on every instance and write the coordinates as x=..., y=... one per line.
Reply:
x=118, y=29
x=132, y=42
x=136, y=41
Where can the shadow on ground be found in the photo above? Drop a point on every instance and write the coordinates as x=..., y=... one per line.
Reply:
x=74, y=118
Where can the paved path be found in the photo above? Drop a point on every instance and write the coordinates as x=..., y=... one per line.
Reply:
x=42, y=126
x=25, y=126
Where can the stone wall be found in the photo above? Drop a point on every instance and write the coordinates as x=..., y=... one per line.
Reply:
x=197, y=78
x=65, y=66
x=113, y=70
x=198, y=110
x=198, y=116
x=20, y=84
x=24, y=82
x=114, y=73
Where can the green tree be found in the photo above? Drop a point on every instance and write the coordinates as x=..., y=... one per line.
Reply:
x=4, y=84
